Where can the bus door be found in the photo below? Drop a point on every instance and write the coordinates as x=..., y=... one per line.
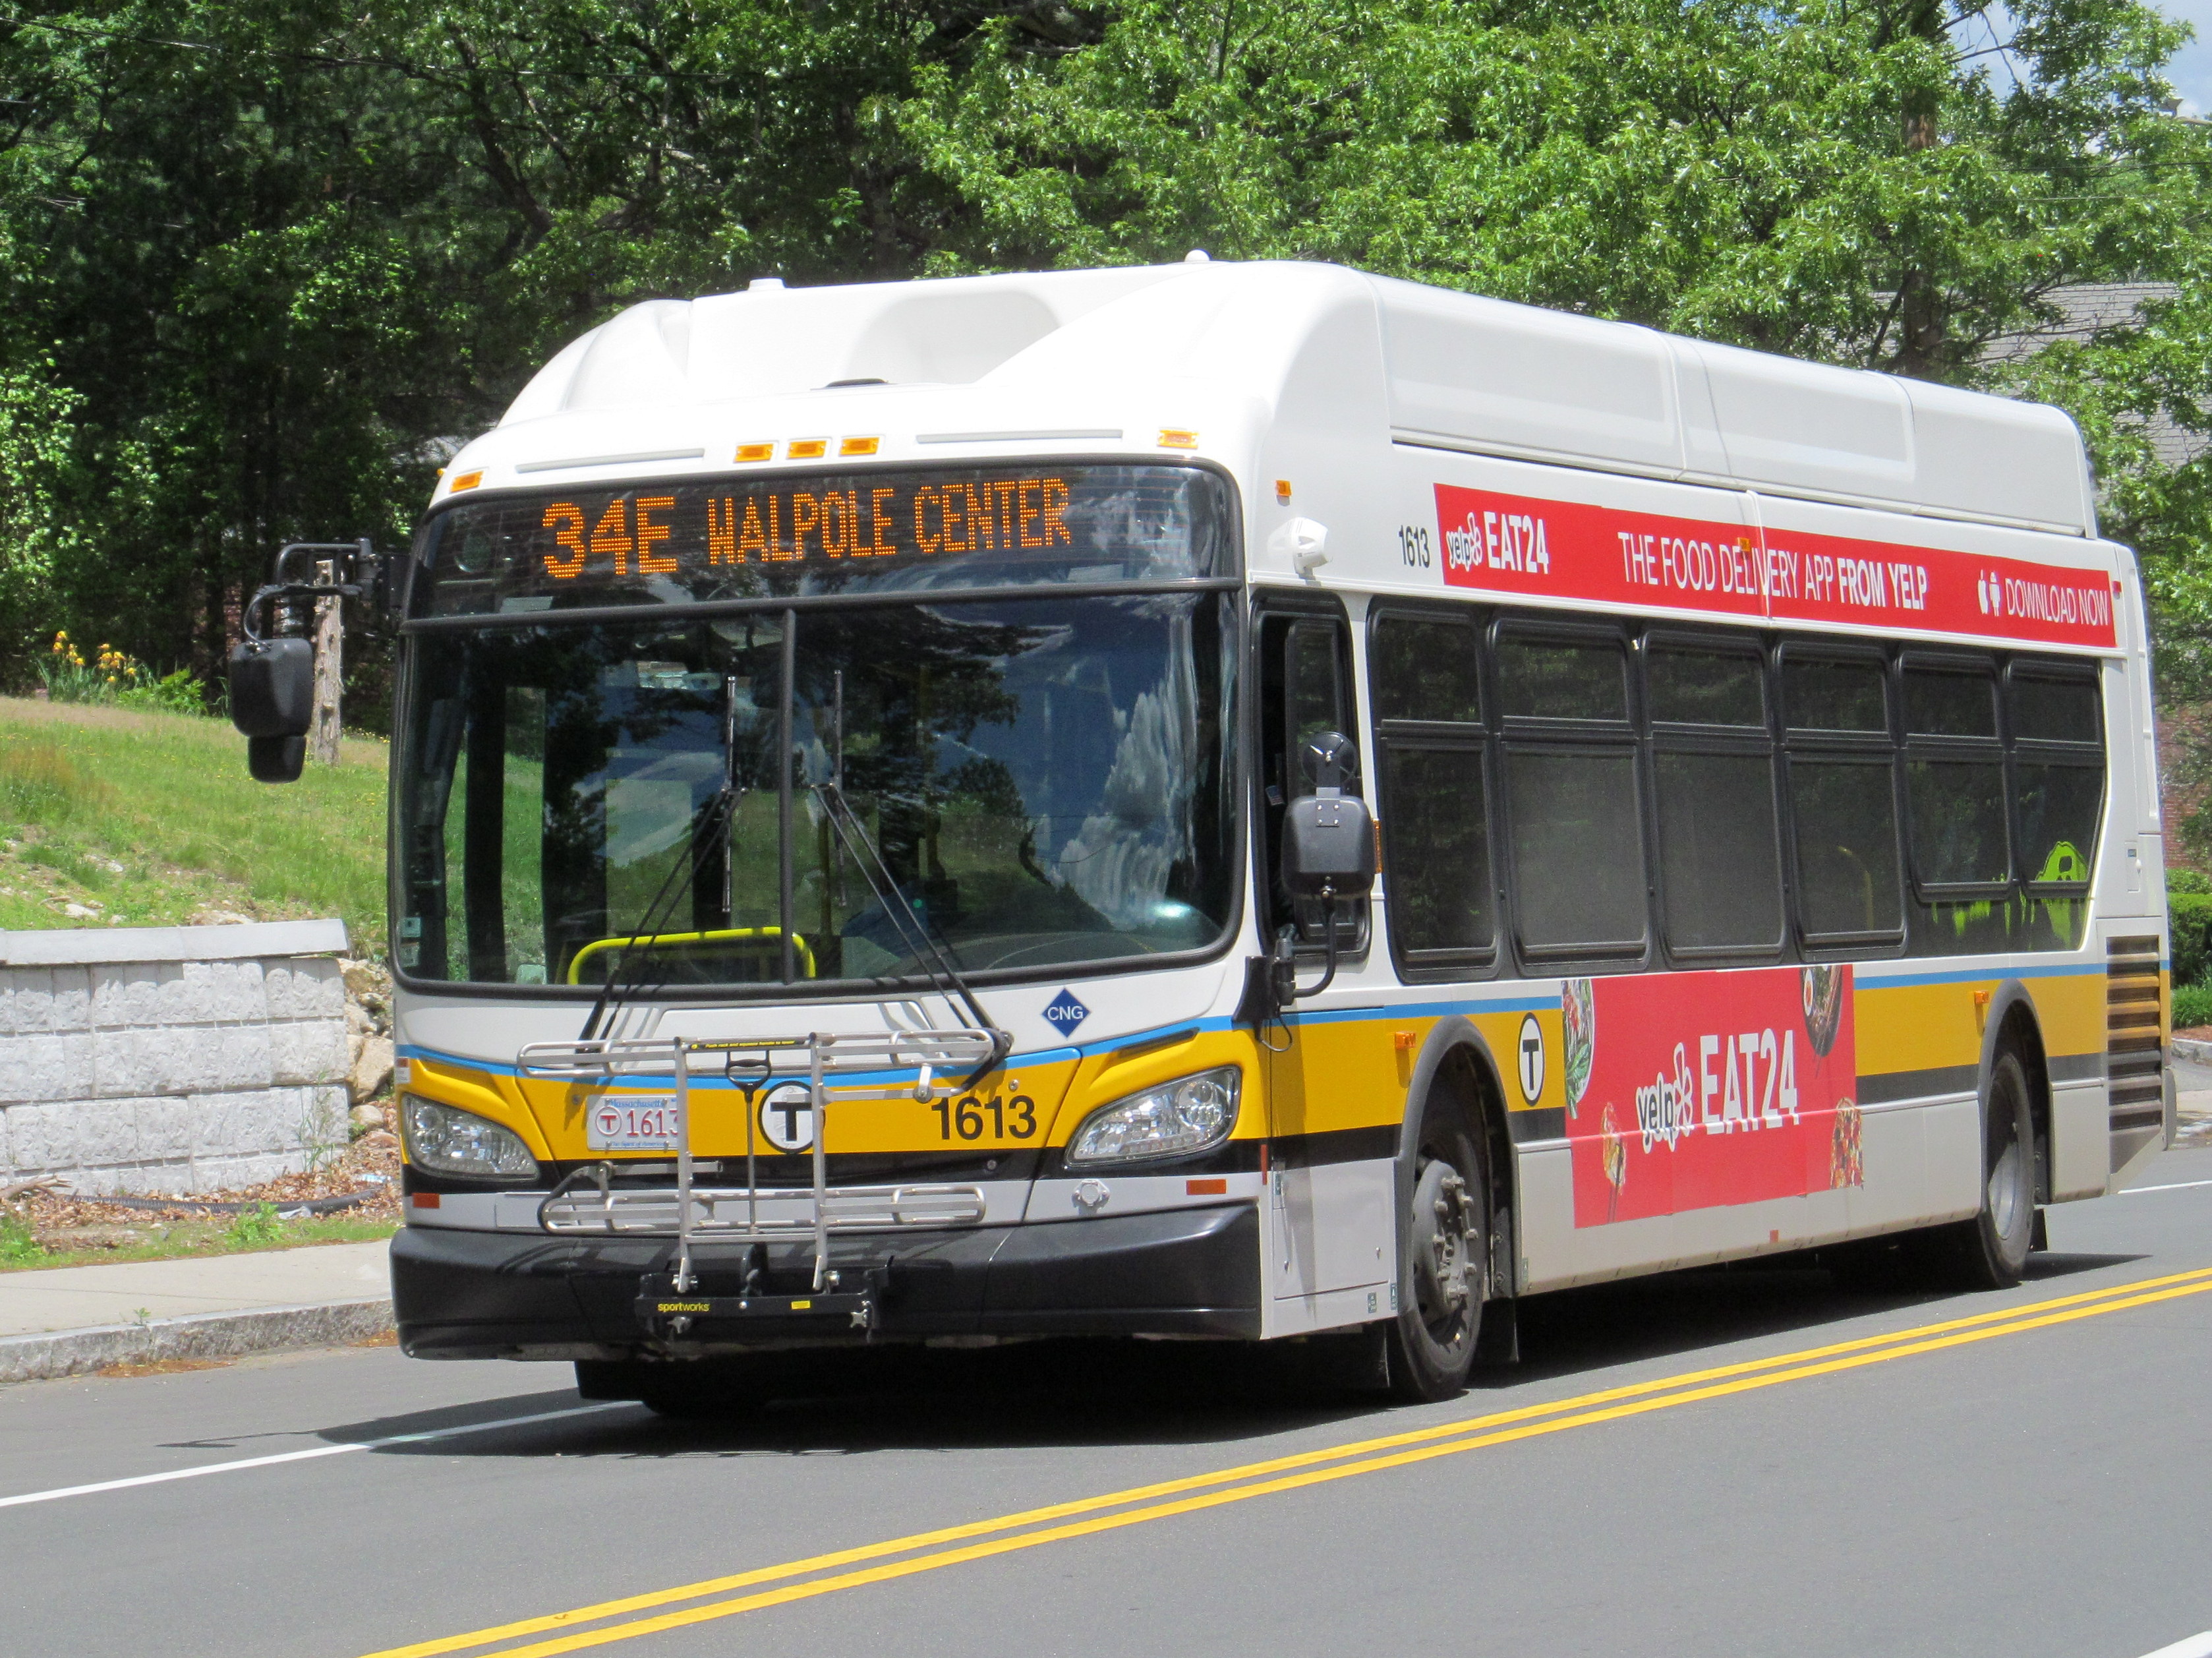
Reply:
x=1332, y=1220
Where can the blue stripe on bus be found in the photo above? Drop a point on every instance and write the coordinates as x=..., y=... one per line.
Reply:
x=1318, y=1016
x=1887, y=981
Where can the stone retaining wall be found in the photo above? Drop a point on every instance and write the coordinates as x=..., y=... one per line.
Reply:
x=161, y=1059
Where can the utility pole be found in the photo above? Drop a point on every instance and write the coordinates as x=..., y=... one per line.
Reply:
x=330, y=668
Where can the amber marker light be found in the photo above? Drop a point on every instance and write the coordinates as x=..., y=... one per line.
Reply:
x=1174, y=437
x=859, y=446
x=1282, y=491
x=807, y=449
x=466, y=481
x=755, y=452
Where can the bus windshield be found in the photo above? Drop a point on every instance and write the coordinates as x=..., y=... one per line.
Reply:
x=1045, y=780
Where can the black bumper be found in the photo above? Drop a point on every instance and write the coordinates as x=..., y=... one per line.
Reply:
x=506, y=1295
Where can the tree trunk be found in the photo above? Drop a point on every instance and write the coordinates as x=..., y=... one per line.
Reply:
x=329, y=671
x=1921, y=344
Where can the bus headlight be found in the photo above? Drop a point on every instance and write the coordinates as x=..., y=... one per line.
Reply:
x=448, y=1142
x=1175, y=1120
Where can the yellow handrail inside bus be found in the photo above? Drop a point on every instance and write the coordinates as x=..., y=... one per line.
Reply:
x=764, y=937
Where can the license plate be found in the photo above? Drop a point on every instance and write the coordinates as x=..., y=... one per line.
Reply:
x=631, y=1122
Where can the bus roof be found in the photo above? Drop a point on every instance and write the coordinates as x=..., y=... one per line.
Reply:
x=1447, y=370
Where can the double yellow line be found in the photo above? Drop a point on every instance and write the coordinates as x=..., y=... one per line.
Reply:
x=952, y=1545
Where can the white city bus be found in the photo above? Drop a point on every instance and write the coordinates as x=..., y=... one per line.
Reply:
x=890, y=783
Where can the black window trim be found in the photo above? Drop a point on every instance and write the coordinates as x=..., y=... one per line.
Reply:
x=1868, y=747
x=1432, y=966
x=2052, y=750
x=1684, y=737
x=1937, y=747
x=1270, y=605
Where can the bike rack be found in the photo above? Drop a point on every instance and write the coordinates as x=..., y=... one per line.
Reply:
x=755, y=1065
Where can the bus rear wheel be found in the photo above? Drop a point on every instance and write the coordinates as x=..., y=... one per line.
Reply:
x=1990, y=1251
x=1443, y=1241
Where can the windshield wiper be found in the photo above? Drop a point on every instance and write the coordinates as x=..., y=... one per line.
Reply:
x=714, y=826
x=914, y=933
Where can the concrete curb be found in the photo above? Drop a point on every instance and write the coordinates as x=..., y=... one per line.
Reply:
x=200, y=1336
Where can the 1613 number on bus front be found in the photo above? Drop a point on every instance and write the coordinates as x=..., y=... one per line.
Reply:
x=967, y=1117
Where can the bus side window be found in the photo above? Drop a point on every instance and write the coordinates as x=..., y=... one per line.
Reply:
x=1429, y=744
x=1720, y=867
x=1305, y=689
x=1843, y=800
x=1576, y=834
x=2058, y=731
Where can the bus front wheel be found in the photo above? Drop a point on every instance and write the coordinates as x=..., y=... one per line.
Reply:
x=1443, y=1242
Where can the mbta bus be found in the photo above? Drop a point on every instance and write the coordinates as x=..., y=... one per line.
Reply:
x=1243, y=801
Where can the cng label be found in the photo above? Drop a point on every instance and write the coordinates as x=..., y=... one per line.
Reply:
x=1065, y=1013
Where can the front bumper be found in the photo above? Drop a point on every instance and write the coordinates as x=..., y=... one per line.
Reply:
x=493, y=1295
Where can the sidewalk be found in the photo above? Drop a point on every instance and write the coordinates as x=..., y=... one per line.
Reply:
x=67, y=1320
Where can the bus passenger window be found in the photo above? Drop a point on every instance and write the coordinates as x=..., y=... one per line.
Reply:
x=1939, y=704
x=1955, y=785
x=2058, y=731
x=1719, y=869
x=1706, y=687
x=1426, y=671
x=2055, y=710
x=1847, y=872
x=1545, y=680
x=1720, y=862
x=1578, y=851
x=1436, y=860
x=1821, y=695
x=1577, y=837
x=1958, y=822
x=2058, y=806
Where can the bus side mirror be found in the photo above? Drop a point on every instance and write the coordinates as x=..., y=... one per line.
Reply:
x=272, y=702
x=1328, y=846
x=276, y=760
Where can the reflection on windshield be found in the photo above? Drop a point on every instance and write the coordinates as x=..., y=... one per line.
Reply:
x=1045, y=781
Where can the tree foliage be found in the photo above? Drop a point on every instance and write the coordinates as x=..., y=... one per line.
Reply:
x=264, y=263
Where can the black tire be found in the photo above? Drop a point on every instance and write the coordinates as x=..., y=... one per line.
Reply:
x=1990, y=1251
x=1443, y=1245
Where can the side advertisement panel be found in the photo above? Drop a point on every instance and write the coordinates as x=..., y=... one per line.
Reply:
x=1518, y=546
x=1692, y=1090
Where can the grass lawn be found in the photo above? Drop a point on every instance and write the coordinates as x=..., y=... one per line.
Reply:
x=141, y=819
x=166, y=1240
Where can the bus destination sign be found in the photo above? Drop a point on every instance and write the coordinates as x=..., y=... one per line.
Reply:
x=680, y=542
x=1525, y=547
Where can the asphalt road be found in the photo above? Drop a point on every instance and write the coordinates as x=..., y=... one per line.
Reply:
x=2031, y=1481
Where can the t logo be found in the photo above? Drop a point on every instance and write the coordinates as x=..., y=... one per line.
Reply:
x=786, y=1117
x=1531, y=1057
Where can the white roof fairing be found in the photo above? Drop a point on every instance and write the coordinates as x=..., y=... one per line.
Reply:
x=1314, y=354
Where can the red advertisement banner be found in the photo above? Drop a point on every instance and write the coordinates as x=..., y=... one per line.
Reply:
x=1692, y=1090
x=1518, y=546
